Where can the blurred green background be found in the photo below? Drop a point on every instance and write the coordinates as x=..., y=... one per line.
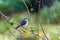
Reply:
x=16, y=11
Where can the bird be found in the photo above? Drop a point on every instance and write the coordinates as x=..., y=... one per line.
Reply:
x=23, y=23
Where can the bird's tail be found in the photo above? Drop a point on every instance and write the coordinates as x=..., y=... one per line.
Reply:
x=17, y=26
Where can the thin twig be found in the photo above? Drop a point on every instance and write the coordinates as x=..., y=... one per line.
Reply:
x=26, y=7
x=27, y=10
x=43, y=30
x=8, y=29
x=3, y=15
x=39, y=20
